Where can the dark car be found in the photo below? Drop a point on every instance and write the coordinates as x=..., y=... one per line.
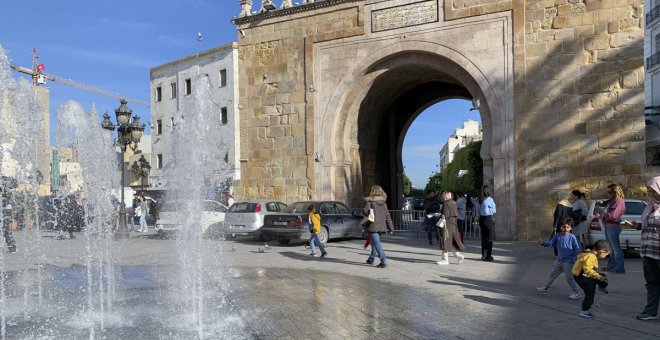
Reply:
x=337, y=221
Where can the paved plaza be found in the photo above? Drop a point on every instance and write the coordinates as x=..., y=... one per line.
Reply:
x=283, y=293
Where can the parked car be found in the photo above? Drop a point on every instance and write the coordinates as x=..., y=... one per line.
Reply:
x=630, y=238
x=247, y=217
x=171, y=219
x=337, y=221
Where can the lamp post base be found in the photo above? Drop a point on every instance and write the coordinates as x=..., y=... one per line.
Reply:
x=123, y=233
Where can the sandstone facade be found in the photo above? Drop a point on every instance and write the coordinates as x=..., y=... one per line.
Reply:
x=327, y=91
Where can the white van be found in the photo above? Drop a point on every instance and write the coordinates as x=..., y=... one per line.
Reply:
x=630, y=238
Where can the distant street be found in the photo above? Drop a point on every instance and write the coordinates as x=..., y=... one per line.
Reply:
x=283, y=292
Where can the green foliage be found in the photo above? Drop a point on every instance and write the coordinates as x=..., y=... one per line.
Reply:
x=469, y=159
x=407, y=185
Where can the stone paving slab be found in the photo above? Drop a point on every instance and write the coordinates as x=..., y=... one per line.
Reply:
x=285, y=293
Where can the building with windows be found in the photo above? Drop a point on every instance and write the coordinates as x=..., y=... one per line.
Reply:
x=652, y=80
x=471, y=131
x=173, y=81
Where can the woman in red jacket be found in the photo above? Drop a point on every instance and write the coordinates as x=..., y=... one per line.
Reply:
x=616, y=207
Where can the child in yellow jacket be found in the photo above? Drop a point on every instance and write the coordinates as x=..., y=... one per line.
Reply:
x=315, y=229
x=586, y=276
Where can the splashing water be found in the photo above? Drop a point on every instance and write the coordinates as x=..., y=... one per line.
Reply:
x=97, y=296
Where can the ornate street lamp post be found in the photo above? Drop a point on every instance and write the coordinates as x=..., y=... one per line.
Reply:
x=141, y=170
x=129, y=133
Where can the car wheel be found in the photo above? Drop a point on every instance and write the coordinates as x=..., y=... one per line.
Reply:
x=323, y=235
x=283, y=242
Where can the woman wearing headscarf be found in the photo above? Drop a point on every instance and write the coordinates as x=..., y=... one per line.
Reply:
x=650, y=251
x=579, y=215
x=450, y=238
x=616, y=207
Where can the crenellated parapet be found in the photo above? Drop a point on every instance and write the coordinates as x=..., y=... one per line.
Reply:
x=270, y=9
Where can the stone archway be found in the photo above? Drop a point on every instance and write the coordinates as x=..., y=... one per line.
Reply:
x=375, y=104
x=345, y=77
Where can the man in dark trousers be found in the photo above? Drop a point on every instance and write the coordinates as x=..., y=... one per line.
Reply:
x=432, y=207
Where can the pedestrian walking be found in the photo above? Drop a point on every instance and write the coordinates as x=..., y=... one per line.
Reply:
x=487, y=211
x=314, y=230
x=377, y=203
x=568, y=249
x=579, y=216
x=616, y=207
x=586, y=276
x=142, y=211
x=461, y=208
x=451, y=240
x=432, y=208
x=132, y=211
x=650, y=251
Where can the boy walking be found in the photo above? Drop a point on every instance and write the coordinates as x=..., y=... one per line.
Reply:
x=315, y=229
x=567, y=250
x=587, y=277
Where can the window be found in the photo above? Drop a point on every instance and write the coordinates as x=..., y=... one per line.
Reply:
x=188, y=86
x=657, y=42
x=159, y=127
x=171, y=124
x=223, y=78
x=159, y=161
x=223, y=115
x=342, y=209
x=159, y=94
x=227, y=158
x=173, y=88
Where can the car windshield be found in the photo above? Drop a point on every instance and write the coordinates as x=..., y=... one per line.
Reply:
x=297, y=208
x=242, y=207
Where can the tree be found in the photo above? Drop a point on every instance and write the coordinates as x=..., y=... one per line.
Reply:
x=407, y=185
x=469, y=159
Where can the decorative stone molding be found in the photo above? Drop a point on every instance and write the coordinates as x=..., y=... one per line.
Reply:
x=306, y=5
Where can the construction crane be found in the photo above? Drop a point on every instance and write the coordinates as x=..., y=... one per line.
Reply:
x=41, y=78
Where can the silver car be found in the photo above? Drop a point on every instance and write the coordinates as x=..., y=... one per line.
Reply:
x=171, y=218
x=247, y=217
x=629, y=238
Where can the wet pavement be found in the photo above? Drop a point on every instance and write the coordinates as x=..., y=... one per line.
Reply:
x=284, y=293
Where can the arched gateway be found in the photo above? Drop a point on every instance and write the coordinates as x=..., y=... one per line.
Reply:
x=328, y=90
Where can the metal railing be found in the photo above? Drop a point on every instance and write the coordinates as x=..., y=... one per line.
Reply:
x=652, y=15
x=413, y=220
x=653, y=60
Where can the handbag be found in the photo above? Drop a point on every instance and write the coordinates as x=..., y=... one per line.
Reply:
x=442, y=222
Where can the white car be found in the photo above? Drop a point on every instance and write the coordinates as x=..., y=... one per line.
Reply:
x=172, y=217
x=630, y=238
x=247, y=217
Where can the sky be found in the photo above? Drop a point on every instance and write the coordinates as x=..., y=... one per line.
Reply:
x=113, y=44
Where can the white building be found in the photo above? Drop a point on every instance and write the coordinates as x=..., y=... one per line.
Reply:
x=470, y=132
x=652, y=80
x=171, y=82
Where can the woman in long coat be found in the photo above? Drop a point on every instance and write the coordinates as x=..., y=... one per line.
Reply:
x=451, y=239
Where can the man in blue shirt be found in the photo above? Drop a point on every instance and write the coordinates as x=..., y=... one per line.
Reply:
x=487, y=211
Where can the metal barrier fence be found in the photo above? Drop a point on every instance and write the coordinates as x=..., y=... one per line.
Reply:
x=413, y=220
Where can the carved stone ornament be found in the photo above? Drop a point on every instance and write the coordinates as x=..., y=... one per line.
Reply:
x=246, y=7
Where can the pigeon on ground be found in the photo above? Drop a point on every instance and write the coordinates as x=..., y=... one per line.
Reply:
x=260, y=250
x=266, y=246
x=233, y=248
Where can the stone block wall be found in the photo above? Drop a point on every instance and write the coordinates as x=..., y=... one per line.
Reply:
x=277, y=115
